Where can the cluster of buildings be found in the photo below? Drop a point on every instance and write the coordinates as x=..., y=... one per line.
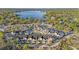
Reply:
x=34, y=35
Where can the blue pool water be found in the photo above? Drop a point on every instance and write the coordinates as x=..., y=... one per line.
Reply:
x=32, y=14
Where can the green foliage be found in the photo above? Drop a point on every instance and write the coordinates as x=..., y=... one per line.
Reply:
x=2, y=43
x=59, y=27
x=50, y=21
x=66, y=43
x=25, y=47
x=9, y=18
x=19, y=47
x=1, y=34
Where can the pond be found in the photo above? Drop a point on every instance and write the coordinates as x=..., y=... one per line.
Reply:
x=32, y=14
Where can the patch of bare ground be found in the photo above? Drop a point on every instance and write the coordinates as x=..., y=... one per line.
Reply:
x=75, y=40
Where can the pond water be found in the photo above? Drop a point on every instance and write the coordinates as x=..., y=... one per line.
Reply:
x=32, y=14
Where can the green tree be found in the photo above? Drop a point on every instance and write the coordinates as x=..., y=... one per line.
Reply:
x=2, y=43
x=25, y=47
